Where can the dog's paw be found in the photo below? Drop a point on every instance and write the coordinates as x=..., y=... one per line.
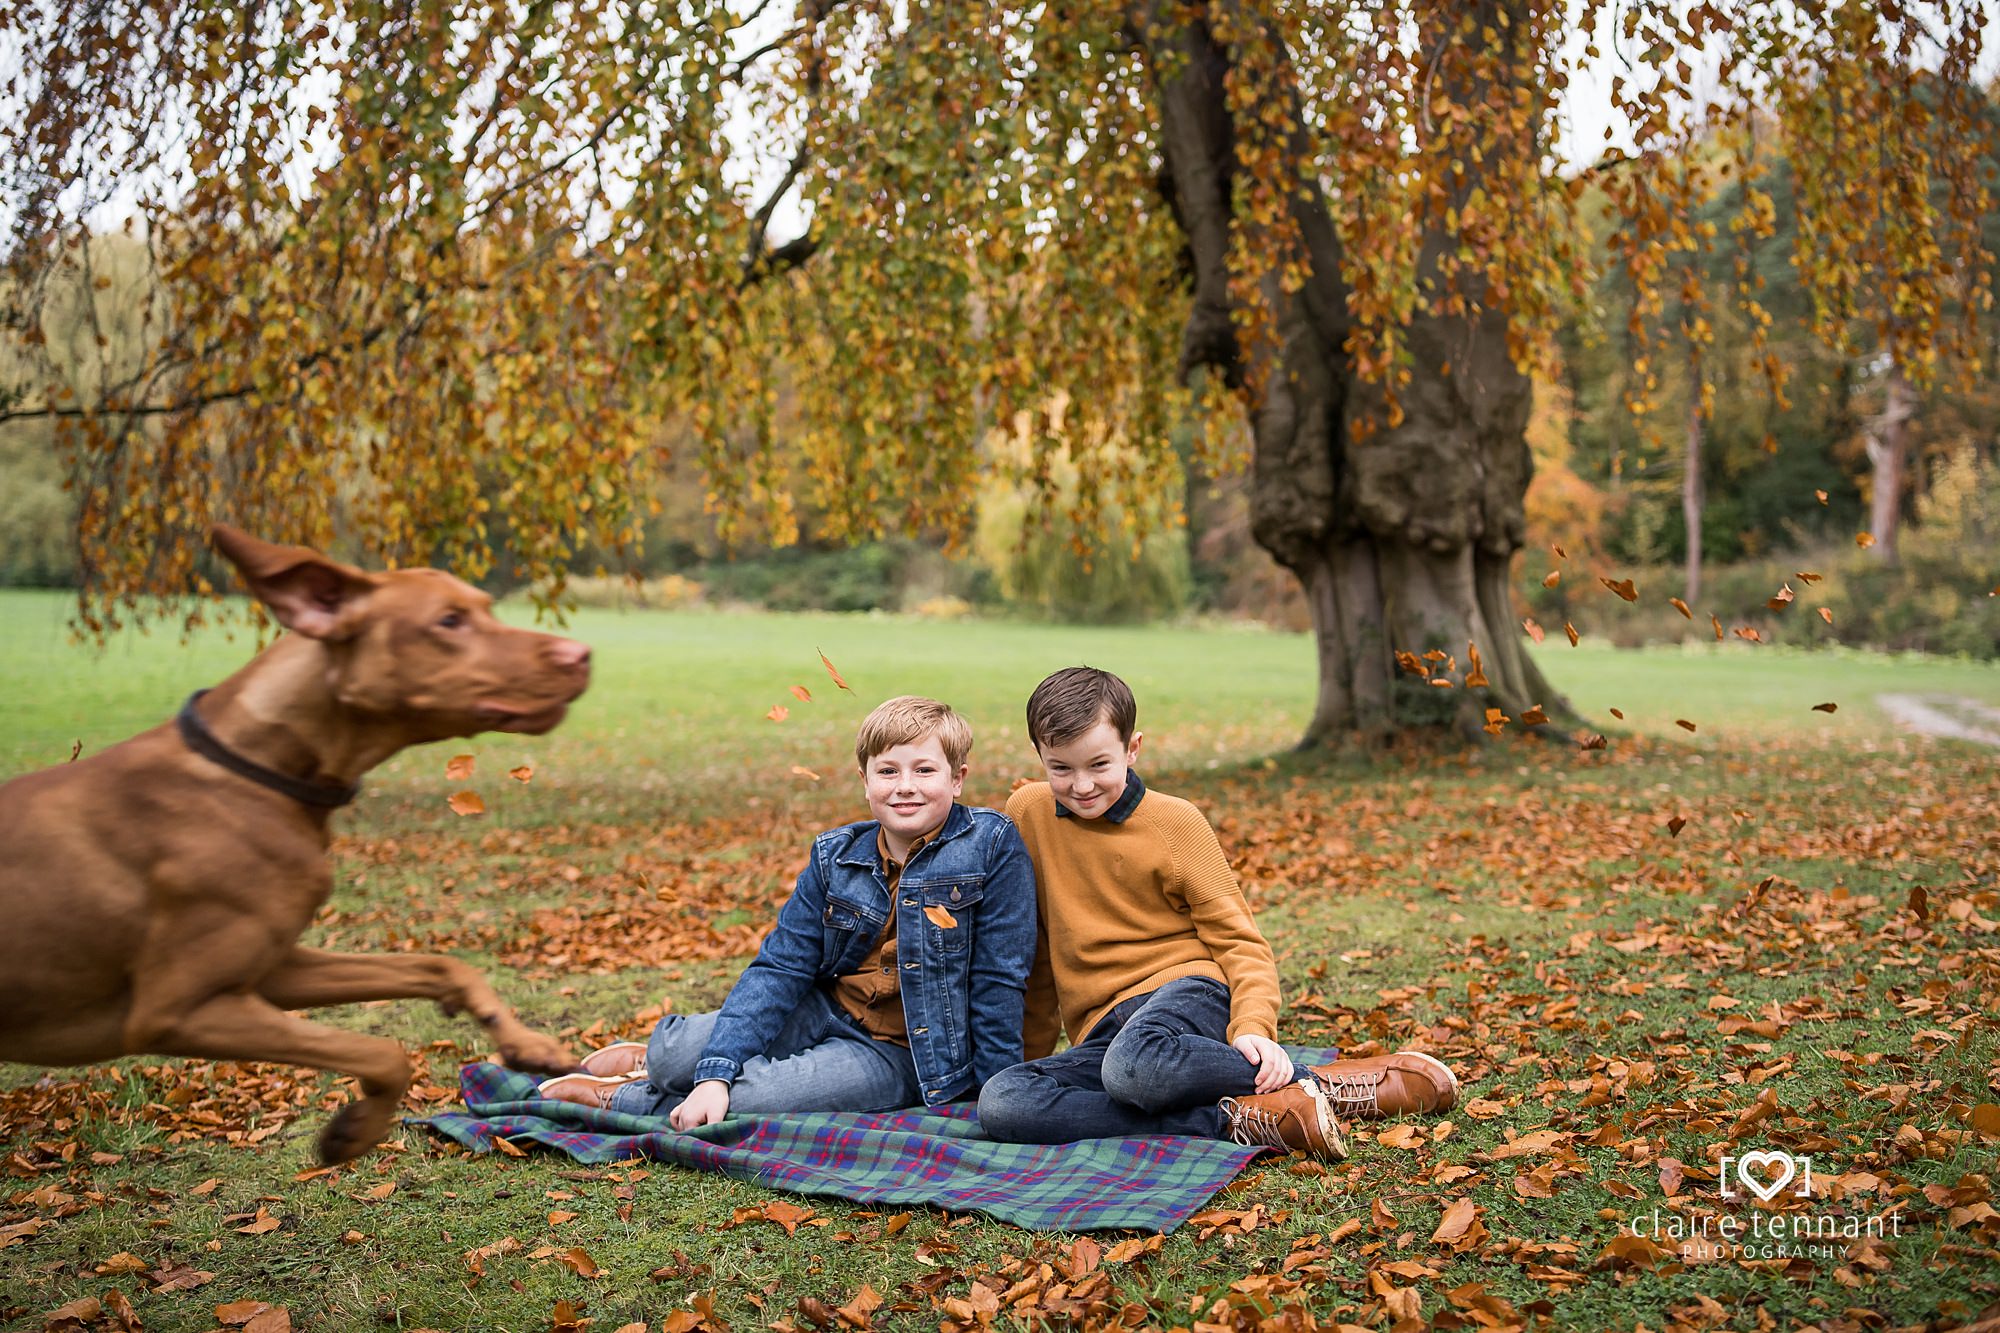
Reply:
x=536, y=1054
x=354, y=1129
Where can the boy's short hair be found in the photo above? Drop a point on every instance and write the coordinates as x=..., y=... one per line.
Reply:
x=1074, y=700
x=909, y=718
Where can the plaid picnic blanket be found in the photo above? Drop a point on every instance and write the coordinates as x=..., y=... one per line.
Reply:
x=919, y=1156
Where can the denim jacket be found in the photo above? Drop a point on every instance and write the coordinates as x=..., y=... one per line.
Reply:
x=962, y=984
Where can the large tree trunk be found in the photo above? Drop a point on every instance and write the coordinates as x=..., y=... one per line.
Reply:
x=1888, y=455
x=1401, y=535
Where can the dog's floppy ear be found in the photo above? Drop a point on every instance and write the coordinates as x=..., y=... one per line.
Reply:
x=308, y=593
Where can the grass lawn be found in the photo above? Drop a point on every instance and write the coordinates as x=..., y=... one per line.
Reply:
x=1809, y=963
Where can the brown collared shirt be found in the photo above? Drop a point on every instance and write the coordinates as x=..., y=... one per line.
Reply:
x=874, y=997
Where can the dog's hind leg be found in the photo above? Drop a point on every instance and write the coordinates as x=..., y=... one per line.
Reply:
x=306, y=978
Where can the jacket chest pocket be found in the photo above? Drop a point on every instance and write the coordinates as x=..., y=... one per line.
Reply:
x=848, y=935
x=949, y=909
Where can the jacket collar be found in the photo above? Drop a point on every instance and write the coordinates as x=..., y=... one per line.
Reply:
x=1121, y=809
x=862, y=848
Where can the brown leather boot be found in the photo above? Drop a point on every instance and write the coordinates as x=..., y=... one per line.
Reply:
x=1295, y=1118
x=1406, y=1083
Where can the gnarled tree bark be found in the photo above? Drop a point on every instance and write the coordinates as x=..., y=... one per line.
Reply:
x=1401, y=535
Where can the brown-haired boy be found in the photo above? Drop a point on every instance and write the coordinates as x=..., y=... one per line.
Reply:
x=893, y=975
x=1147, y=952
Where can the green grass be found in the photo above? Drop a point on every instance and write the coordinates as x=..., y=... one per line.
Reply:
x=1468, y=898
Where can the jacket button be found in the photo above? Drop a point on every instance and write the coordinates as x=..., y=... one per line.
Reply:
x=956, y=895
x=911, y=967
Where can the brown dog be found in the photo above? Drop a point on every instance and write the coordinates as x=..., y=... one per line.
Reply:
x=152, y=895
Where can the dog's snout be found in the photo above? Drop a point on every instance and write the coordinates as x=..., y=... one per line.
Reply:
x=569, y=653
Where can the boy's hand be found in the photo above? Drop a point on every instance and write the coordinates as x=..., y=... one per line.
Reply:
x=708, y=1103
x=1274, y=1067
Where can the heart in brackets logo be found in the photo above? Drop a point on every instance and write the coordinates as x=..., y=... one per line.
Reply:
x=1782, y=1168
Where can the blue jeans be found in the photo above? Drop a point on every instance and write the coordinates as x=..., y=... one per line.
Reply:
x=1155, y=1064
x=821, y=1060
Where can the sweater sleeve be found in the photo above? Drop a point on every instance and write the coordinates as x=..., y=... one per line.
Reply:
x=1222, y=919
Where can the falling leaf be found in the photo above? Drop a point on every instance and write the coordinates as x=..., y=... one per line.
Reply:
x=939, y=917
x=1618, y=713
x=1820, y=496
x=76, y=747
x=1864, y=539
x=778, y=713
x=523, y=773
x=804, y=773
x=1826, y=615
x=1594, y=741
x=1553, y=577
x=466, y=803
x=1623, y=587
x=1826, y=708
x=1718, y=628
x=458, y=768
x=1496, y=721
x=1675, y=825
x=1570, y=630
x=1681, y=607
x=1534, y=717
x=1782, y=598
x=1475, y=675
x=1749, y=635
x=1807, y=576
x=1535, y=631
x=1683, y=724
x=831, y=672
x=1560, y=553
x=802, y=694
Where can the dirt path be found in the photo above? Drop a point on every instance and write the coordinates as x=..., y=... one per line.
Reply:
x=1952, y=716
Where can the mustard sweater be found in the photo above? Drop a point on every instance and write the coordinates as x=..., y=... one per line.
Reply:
x=1128, y=907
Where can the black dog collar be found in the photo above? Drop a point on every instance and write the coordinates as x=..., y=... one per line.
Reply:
x=325, y=795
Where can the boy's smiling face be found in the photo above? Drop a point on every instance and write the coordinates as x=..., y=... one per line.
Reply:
x=1087, y=771
x=910, y=789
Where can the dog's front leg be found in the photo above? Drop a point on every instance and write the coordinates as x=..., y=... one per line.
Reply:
x=240, y=1026
x=306, y=978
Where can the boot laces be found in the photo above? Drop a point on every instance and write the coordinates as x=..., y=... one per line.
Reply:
x=1254, y=1127
x=1353, y=1093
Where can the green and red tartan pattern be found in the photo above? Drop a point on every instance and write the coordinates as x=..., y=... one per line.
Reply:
x=913, y=1157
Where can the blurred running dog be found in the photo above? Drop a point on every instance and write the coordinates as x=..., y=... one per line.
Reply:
x=152, y=895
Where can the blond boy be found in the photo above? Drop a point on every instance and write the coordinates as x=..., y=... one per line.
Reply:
x=893, y=976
